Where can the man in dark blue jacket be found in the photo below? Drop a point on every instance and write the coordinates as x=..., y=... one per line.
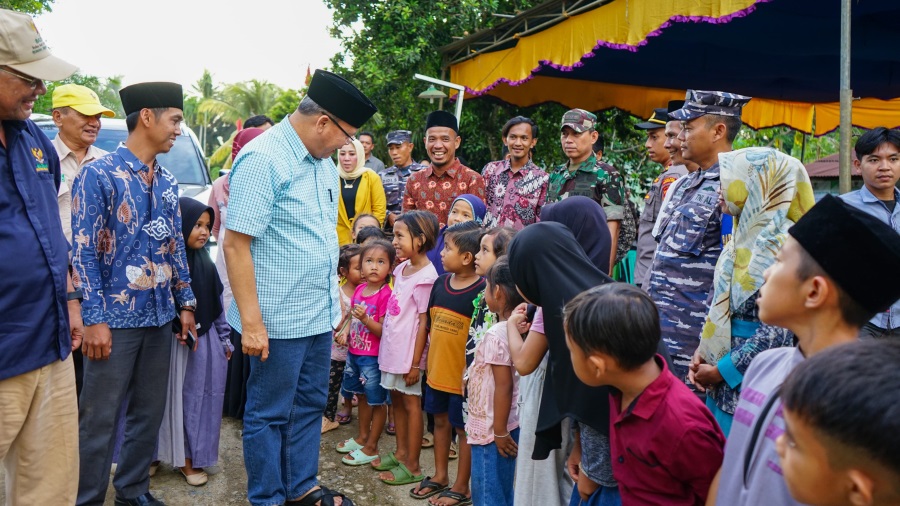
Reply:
x=40, y=308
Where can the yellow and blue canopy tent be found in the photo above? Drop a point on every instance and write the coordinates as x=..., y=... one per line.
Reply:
x=639, y=54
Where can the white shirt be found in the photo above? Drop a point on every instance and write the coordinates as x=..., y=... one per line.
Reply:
x=69, y=167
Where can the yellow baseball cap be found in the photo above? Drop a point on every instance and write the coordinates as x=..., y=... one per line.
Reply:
x=80, y=98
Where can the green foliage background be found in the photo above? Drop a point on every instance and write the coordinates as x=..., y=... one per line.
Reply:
x=107, y=90
x=30, y=6
x=385, y=44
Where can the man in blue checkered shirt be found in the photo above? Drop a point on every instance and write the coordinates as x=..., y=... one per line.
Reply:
x=281, y=250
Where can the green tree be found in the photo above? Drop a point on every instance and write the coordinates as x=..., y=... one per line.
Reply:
x=285, y=103
x=386, y=43
x=239, y=101
x=202, y=122
x=807, y=148
x=106, y=89
x=33, y=7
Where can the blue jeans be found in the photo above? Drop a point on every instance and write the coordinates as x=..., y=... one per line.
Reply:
x=493, y=475
x=286, y=396
x=603, y=496
x=362, y=376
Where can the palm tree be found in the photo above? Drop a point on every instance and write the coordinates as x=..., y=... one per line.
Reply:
x=239, y=101
x=203, y=89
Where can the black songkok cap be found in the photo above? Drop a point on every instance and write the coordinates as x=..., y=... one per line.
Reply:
x=442, y=119
x=839, y=237
x=151, y=96
x=339, y=97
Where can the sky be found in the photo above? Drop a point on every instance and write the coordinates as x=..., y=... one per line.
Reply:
x=174, y=40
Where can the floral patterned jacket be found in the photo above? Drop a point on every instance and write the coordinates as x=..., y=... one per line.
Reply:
x=129, y=252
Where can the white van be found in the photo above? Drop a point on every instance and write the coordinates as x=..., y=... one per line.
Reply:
x=185, y=160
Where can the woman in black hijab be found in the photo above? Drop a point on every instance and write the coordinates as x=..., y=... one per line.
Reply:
x=550, y=268
x=587, y=221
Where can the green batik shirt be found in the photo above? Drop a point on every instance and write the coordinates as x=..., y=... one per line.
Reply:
x=593, y=179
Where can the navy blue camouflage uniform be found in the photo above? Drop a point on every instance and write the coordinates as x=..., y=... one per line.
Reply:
x=681, y=275
x=394, y=179
x=690, y=241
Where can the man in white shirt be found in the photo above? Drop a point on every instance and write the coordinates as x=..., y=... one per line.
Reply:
x=76, y=113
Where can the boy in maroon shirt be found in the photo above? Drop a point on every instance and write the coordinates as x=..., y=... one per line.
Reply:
x=665, y=445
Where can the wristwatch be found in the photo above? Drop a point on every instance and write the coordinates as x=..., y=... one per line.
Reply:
x=76, y=295
x=190, y=305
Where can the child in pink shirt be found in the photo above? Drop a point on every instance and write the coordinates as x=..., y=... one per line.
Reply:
x=403, y=343
x=362, y=375
x=492, y=424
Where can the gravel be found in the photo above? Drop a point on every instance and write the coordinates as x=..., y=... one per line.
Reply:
x=228, y=482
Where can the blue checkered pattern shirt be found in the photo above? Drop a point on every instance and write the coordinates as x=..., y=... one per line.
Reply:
x=286, y=199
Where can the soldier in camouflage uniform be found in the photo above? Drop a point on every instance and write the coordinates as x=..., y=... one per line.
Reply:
x=689, y=225
x=394, y=177
x=584, y=175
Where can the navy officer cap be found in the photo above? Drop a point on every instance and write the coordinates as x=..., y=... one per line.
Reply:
x=151, y=96
x=657, y=120
x=699, y=103
x=399, y=137
x=674, y=105
x=339, y=97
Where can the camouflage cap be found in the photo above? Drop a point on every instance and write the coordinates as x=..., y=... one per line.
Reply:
x=579, y=120
x=700, y=103
x=399, y=137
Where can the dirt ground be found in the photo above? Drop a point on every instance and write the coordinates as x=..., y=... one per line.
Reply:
x=228, y=486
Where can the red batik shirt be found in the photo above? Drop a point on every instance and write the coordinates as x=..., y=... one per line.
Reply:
x=427, y=191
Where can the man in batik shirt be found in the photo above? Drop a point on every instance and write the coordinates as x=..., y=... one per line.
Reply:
x=435, y=187
x=515, y=188
x=130, y=256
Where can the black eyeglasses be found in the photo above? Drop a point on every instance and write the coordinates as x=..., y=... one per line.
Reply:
x=349, y=137
x=32, y=82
